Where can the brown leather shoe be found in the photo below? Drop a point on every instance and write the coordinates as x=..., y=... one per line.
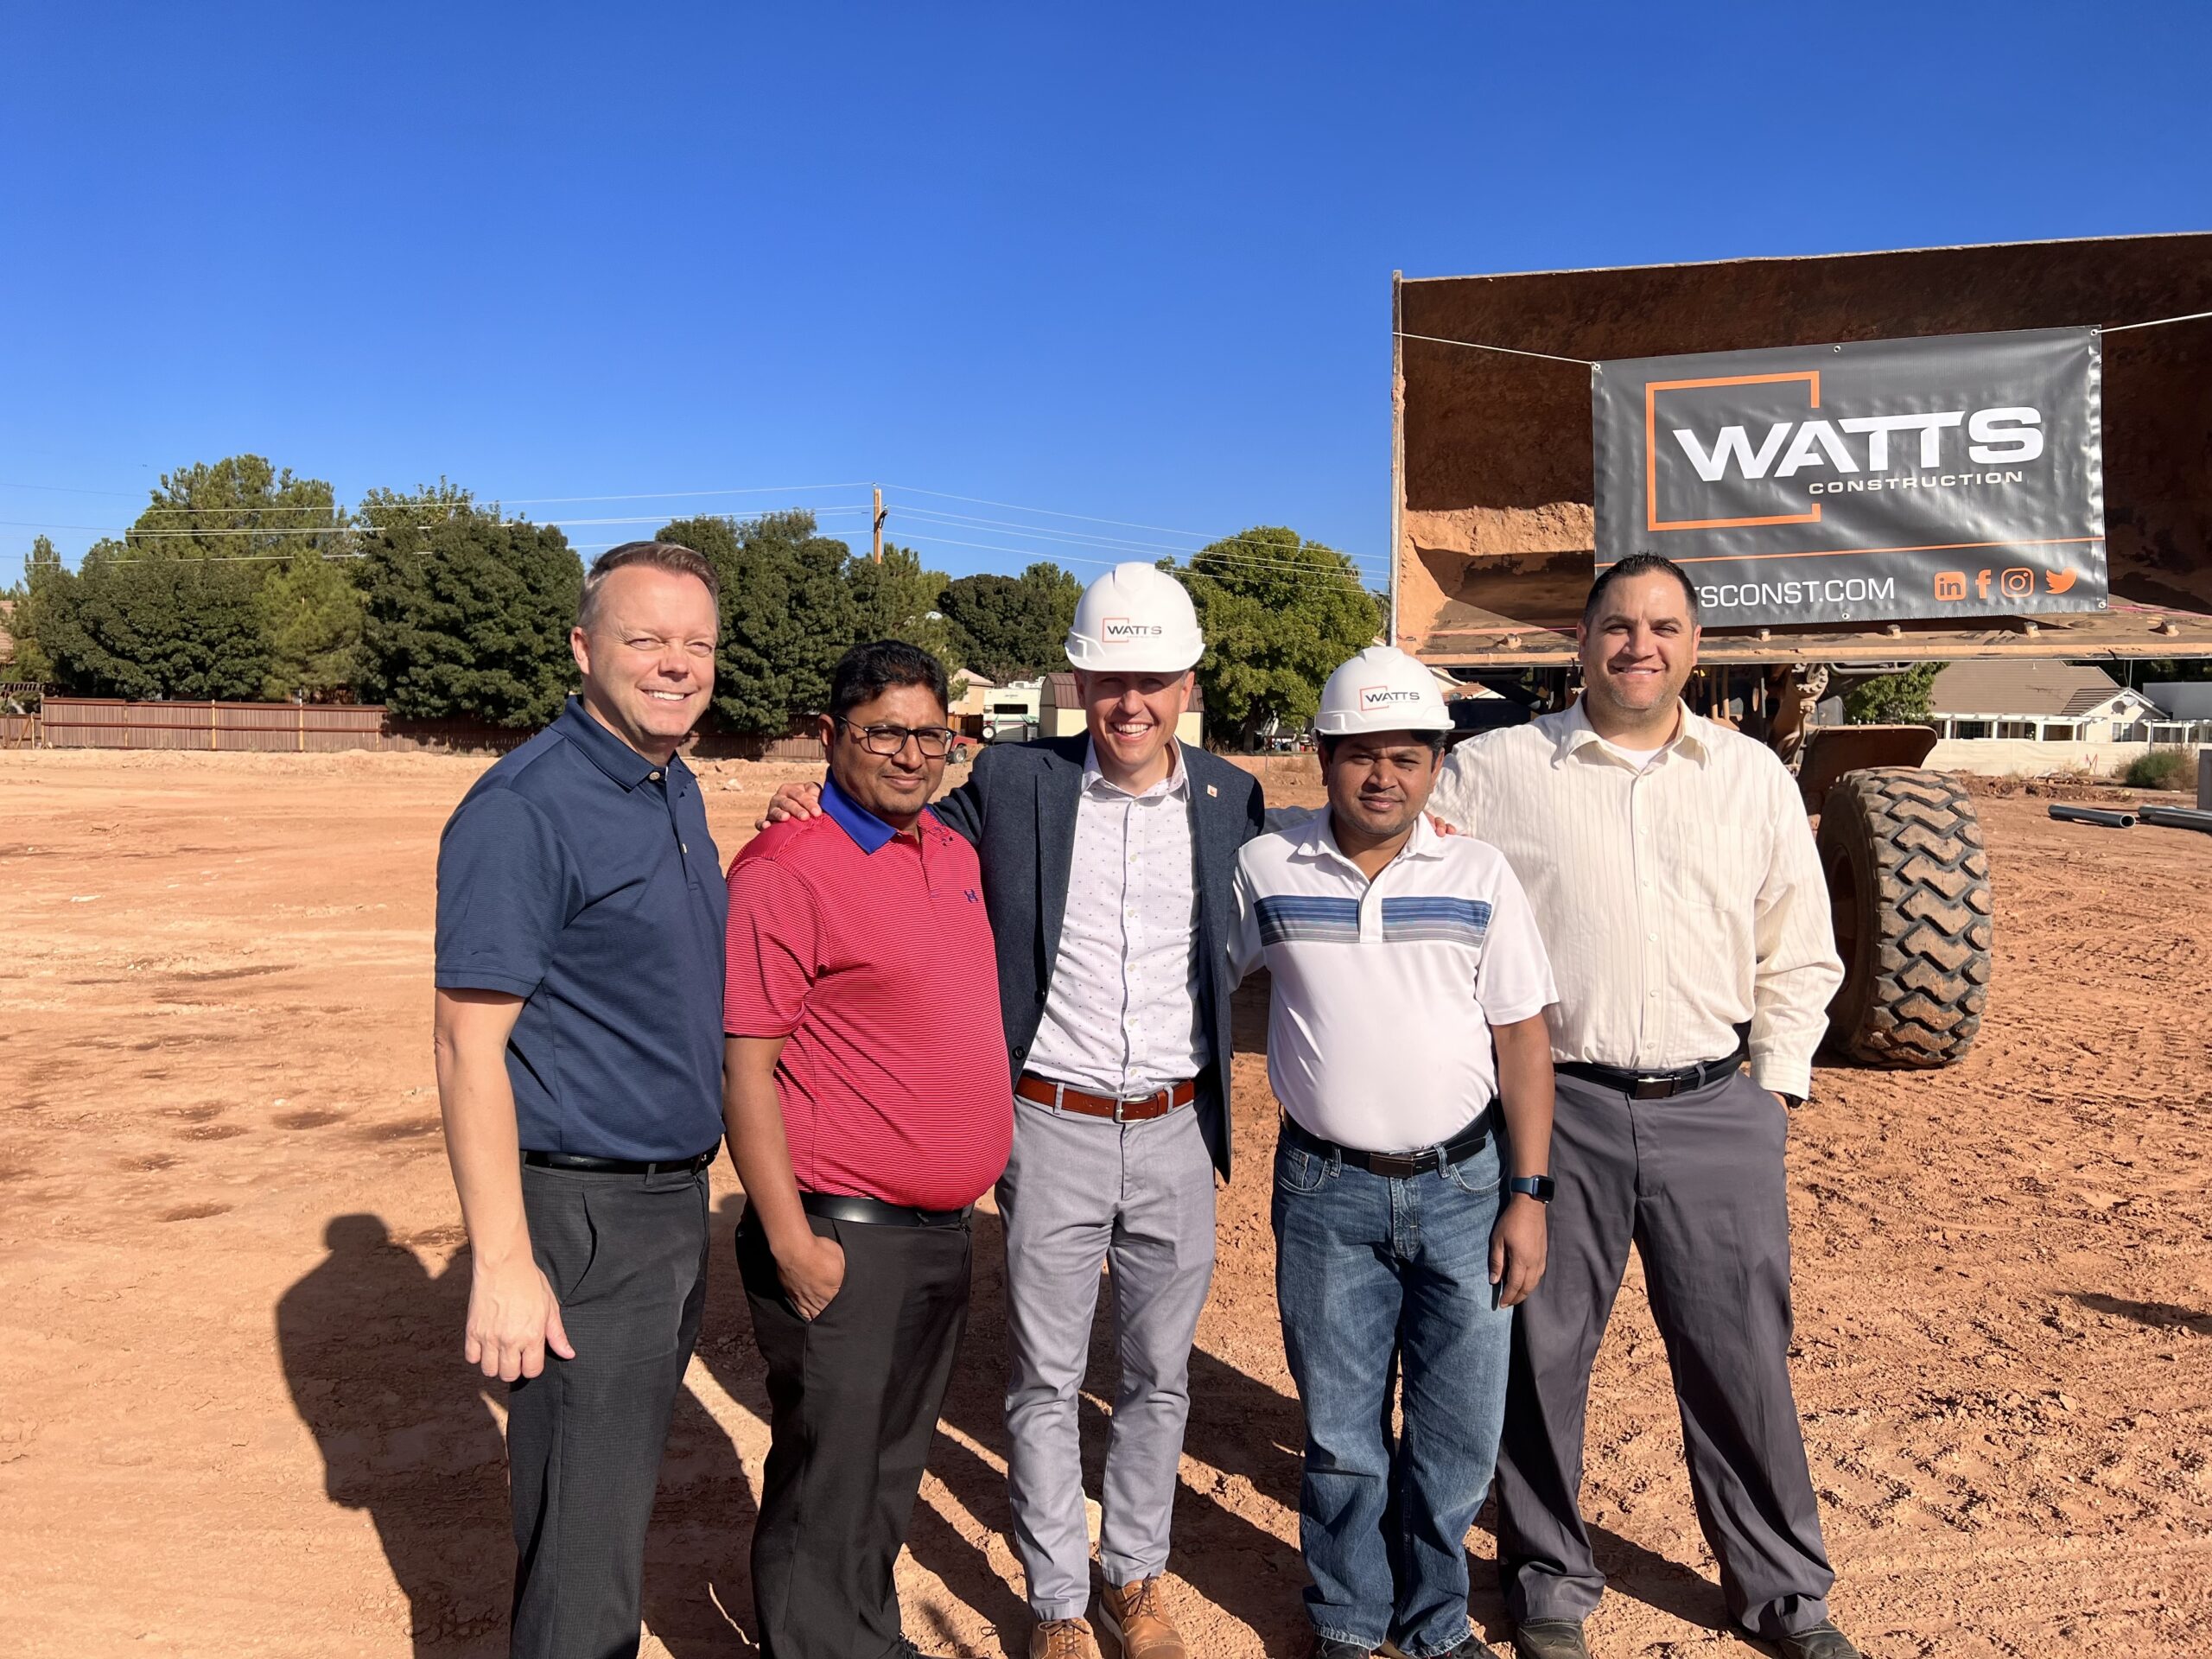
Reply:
x=1062, y=1638
x=1133, y=1617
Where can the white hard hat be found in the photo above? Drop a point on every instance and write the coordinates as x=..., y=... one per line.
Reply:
x=1135, y=619
x=1381, y=689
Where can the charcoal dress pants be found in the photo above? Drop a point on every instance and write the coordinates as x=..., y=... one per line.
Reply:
x=626, y=1255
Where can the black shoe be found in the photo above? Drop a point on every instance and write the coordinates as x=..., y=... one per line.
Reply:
x=1324, y=1648
x=1550, y=1638
x=1473, y=1648
x=1823, y=1641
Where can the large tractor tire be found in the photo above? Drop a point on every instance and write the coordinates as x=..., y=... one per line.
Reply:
x=1908, y=883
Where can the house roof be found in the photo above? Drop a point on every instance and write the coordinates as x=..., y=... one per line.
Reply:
x=2059, y=690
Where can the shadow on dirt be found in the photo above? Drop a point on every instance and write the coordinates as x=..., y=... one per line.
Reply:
x=370, y=1346
x=2159, y=1315
x=370, y=1343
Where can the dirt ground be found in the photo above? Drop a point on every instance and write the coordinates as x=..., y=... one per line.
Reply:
x=234, y=1419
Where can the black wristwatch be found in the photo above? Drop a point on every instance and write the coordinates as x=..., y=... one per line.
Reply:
x=1539, y=1187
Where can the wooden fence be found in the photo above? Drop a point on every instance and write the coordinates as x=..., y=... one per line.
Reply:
x=319, y=728
x=256, y=728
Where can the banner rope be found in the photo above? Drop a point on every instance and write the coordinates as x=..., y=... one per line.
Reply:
x=2155, y=322
x=1510, y=351
x=1588, y=363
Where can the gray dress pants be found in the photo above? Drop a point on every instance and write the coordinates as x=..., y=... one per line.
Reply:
x=626, y=1255
x=1079, y=1193
x=1695, y=1183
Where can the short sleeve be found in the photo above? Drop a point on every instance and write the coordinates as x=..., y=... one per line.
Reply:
x=775, y=949
x=506, y=888
x=1244, y=929
x=1515, y=980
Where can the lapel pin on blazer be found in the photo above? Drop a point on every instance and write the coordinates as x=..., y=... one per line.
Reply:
x=1211, y=790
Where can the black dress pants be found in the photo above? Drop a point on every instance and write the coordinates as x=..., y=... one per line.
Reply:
x=626, y=1255
x=853, y=1397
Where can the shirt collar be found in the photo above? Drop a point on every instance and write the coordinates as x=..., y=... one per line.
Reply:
x=1575, y=733
x=1177, y=782
x=609, y=753
x=869, y=833
x=1319, y=840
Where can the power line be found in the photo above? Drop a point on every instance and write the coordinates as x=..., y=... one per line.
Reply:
x=66, y=489
x=1243, y=561
x=1050, y=513
x=931, y=516
x=476, y=497
x=209, y=531
x=1310, y=572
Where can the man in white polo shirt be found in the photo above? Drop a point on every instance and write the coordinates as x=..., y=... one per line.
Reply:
x=1401, y=959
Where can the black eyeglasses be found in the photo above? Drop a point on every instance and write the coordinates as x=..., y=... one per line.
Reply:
x=936, y=741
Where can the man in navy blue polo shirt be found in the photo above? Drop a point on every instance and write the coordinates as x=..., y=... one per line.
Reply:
x=582, y=911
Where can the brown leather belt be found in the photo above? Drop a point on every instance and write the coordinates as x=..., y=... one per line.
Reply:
x=1044, y=1091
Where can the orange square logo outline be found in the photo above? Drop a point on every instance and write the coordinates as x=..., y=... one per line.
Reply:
x=1652, y=390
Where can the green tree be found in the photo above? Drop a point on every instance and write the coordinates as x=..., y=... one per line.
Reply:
x=1012, y=627
x=151, y=625
x=1899, y=699
x=311, y=615
x=27, y=662
x=174, y=609
x=787, y=614
x=899, y=600
x=1279, y=613
x=466, y=614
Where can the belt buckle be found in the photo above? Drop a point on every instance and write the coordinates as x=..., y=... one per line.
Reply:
x=1122, y=1105
x=1654, y=1088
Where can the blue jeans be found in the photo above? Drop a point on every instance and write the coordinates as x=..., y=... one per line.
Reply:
x=1375, y=1276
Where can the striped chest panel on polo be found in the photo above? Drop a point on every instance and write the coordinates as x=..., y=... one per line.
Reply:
x=1300, y=918
x=1305, y=919
x=1435, y=917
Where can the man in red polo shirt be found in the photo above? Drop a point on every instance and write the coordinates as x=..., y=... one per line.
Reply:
x=869, y=1105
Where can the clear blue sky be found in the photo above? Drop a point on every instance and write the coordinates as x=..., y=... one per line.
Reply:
x=1129, y=261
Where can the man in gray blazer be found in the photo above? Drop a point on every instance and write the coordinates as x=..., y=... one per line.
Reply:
x=1107, y=862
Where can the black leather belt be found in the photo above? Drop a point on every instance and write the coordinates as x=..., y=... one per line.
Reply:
x=1653, y=1085
x=1400, y=1165
x=620, y=1165
x=842, y=1206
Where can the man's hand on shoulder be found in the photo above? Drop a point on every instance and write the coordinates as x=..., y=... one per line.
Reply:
x=792, y=801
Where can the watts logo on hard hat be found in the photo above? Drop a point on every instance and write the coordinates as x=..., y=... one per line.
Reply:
x=1135, y=619
x=1381, y=689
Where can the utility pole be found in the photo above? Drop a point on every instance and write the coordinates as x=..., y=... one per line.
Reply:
x=876, y=552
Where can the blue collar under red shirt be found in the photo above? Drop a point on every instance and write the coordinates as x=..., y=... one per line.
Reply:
x=869, y=833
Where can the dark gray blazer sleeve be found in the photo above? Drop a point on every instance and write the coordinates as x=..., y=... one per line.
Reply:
x=961, y=808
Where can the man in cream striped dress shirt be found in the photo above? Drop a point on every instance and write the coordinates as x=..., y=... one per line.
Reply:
x=1674, y=882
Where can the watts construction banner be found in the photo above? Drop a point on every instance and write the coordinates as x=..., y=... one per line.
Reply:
x=1957, y=476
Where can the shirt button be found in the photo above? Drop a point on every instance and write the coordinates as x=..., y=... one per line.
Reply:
x=654, y=776
x=1653, y=938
